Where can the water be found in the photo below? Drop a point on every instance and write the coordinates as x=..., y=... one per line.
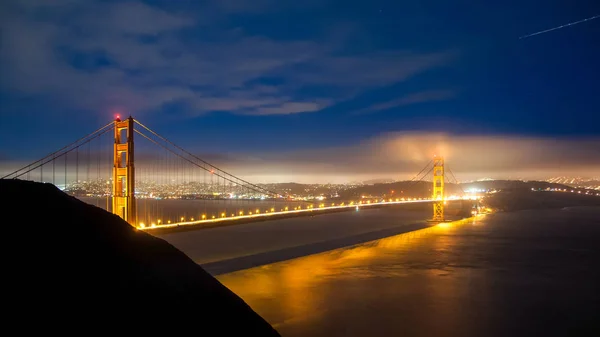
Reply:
x=528, y=273
x=230, y=248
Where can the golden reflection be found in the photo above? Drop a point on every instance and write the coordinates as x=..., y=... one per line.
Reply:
x=477, y=219
x=293, y=289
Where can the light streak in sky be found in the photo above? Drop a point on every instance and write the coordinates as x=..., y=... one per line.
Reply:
x=559, y=27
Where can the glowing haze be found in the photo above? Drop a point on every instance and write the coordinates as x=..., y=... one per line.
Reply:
x=400, y=156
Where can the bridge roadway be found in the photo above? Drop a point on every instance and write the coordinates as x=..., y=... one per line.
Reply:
x=238, y=219
x=224, y=249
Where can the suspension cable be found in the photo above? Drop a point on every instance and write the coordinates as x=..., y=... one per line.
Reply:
x=455, y=180
x=196, y=164
x=54, y=154
x=450, y=171
x=205, y=162
x=418, y=174
x=413, y=182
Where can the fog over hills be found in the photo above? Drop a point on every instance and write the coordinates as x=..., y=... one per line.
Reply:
x=415, y=189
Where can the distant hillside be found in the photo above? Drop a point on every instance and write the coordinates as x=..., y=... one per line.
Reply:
x=512, y=185
x=305, y=189
x=514, y=200
x=73, y=268
x=377, y=181
x=421, y=189
x=418, y=189
x=593, y=183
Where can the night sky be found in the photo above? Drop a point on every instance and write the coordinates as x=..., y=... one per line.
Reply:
x=312, y=90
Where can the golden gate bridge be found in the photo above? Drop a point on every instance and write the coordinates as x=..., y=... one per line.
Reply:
x=114, y=176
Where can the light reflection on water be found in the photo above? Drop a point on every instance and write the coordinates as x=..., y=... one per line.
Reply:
x=226, y=249
x=295, y=290
x=521, y=274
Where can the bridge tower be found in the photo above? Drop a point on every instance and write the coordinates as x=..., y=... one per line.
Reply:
x=438, y=188
x=123, y=201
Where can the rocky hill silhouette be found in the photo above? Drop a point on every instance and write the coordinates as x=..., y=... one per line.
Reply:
x=73, y=267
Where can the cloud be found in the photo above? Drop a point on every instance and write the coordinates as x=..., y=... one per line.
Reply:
x=402, y=155
x=396, y=156
x=289, y=108
x=101, y=56
x=374, y=69
x=138, y=18
x=414, y=98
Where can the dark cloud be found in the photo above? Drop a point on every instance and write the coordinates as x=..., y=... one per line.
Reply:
x=131, y=56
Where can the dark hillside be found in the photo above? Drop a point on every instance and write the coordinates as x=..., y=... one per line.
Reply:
x=72, y=267
x=515, y=200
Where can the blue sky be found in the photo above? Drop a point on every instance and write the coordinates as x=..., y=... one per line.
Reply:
x=265, y=82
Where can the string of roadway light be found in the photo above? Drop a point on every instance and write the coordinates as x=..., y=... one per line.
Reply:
x=256, y=213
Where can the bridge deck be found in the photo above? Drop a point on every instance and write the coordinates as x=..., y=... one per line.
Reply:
x=228, y=248
x=241, y=219
x=207, y=223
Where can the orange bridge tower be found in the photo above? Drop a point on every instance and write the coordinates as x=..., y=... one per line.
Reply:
x=438, y=188
x=123, y=201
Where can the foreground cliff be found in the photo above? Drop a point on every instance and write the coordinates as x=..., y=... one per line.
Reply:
x=74, y=267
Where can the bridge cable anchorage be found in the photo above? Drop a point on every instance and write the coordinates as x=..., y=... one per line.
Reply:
x=279, y=195
x=202, y=167
x=59, y=153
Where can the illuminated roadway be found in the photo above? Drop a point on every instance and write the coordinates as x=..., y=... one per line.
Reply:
x=309, y=209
